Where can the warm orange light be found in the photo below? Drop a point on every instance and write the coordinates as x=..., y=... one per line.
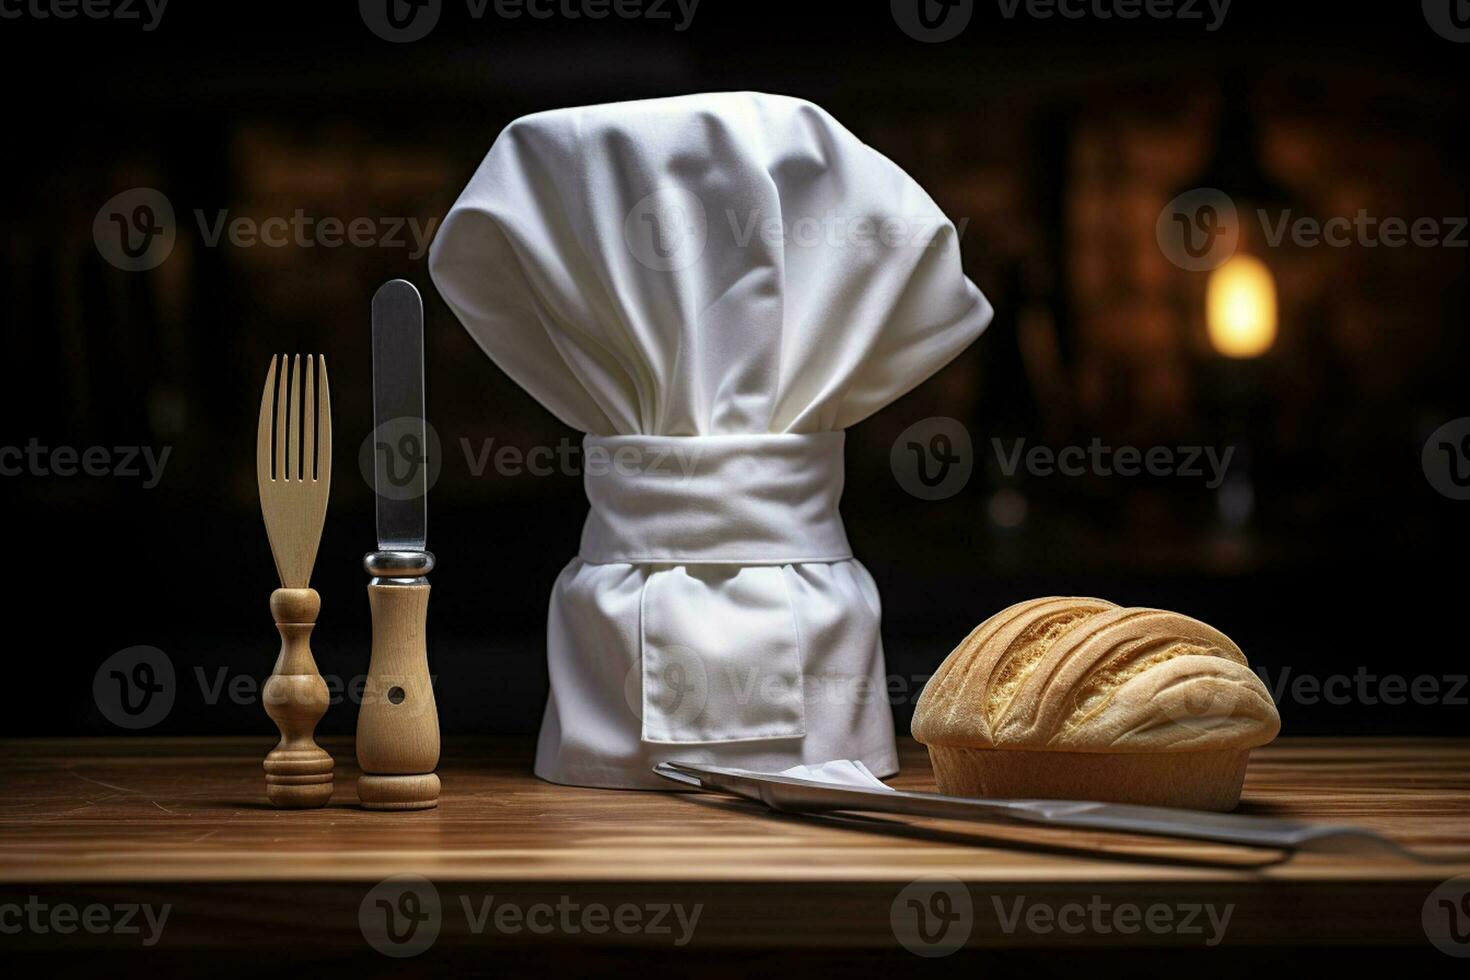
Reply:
x=1240, y=307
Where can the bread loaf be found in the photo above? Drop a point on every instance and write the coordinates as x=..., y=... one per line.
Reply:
x=1070, y=698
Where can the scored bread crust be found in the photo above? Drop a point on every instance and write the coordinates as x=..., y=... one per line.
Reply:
x=1079, y=675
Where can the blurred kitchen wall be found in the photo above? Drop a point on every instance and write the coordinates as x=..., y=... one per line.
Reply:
x=1328, y=547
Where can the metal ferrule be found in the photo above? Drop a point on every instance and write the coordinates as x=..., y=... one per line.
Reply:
x=398, y=567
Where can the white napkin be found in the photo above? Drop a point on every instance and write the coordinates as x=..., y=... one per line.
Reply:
x=712, y=287
x=842, y=772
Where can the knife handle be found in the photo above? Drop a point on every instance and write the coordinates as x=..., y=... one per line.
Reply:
x=298, y=772
x=398, y=726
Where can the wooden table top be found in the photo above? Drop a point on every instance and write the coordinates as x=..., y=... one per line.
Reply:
x=176, y=817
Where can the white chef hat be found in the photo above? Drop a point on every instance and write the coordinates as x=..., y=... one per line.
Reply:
x=712, y=287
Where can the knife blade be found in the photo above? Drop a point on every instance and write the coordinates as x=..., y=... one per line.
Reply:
x=793, y=795
x=400, y=453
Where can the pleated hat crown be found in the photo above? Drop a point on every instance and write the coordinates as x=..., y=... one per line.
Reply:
x=704, y=265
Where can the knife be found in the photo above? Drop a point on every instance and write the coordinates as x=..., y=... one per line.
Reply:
x=792, y=795
x=398, y=725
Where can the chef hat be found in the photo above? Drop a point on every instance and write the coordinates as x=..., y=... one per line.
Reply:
x=712, y=288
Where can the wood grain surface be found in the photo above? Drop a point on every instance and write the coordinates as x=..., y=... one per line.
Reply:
x=185, y=821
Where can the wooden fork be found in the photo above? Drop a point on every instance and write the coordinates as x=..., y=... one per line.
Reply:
x=294, y=480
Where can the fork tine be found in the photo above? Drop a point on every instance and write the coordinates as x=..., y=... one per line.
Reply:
x=293, y=424
x=281, y=395
x=263, y=427
x=324, y=405
x=308, y=425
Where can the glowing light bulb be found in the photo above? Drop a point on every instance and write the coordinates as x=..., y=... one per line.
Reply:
x=1240, y=307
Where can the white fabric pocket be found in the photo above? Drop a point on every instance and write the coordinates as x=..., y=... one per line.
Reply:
x=721, y=655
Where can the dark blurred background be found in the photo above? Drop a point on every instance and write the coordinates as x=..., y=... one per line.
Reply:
x=1330, y=550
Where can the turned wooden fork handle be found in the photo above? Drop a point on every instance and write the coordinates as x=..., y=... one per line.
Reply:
x=398, y=726
x=298, y=772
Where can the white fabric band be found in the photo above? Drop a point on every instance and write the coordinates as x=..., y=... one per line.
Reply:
x=733, y=500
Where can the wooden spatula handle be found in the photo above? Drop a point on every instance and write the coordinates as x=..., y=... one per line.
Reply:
x=398, y=727
x=298, y=772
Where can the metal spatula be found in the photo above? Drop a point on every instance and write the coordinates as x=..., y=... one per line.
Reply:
x=792, y=795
